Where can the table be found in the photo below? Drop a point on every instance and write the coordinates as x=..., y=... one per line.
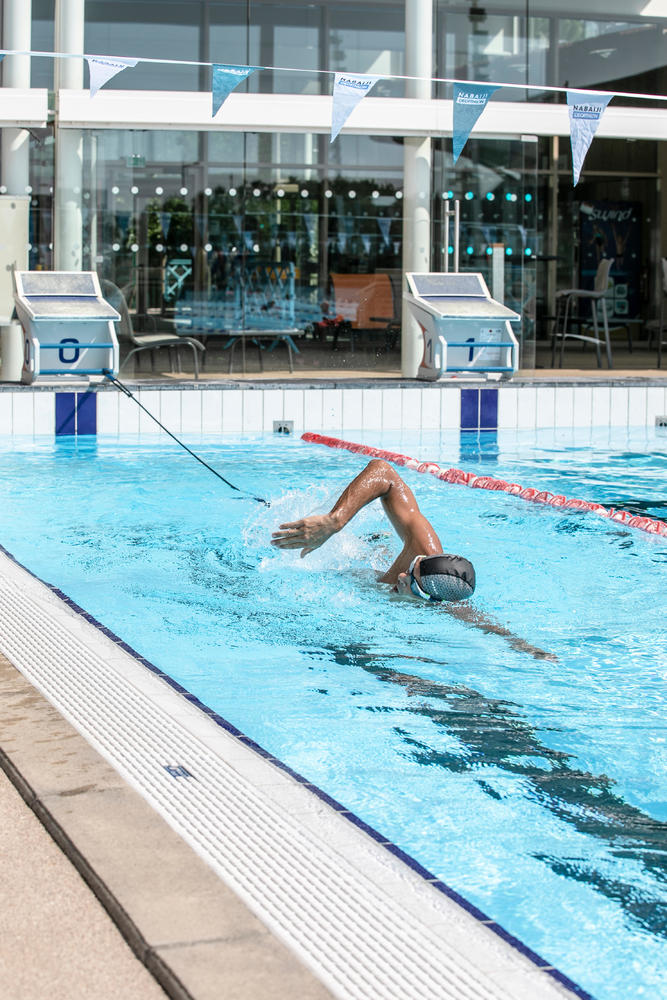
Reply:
x=256, y=337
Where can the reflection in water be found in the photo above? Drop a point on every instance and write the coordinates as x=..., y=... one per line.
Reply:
x=495, y=735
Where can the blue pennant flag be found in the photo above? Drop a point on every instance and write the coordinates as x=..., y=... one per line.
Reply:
x=470, y=99
x=225, y=79
x=348, y=91
x=585, y=111
x=165, y=222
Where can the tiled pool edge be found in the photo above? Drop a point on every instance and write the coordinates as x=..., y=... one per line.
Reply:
x=516, y=945
x=235, y=408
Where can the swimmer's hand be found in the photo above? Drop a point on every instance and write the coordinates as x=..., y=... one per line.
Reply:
x=307, y=534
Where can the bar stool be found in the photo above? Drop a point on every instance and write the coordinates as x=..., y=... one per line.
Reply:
x=566, y=315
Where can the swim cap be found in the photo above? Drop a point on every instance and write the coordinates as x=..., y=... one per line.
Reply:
x=443, y=578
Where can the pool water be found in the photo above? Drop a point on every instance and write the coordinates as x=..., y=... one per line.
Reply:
x=535, y=787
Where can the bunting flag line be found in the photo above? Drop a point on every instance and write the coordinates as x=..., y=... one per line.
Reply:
x=470, y=99
x=225, y=79
x=102, y=69
x=585, y=111
x=348, y=91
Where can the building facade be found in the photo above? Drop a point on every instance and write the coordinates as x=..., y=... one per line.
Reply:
x=185, y=212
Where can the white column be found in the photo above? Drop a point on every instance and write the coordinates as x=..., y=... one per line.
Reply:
x=16, y=33
x=67, y=198
x=416, y=172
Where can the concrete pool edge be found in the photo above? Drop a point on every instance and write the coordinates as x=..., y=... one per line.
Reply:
x=560, y=985
x=98, y=859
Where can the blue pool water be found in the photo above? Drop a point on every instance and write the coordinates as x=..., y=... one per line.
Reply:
x=535, y=788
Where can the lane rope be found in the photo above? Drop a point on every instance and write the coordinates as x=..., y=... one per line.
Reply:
x=460, y=478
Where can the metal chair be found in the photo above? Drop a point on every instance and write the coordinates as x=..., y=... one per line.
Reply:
x=147, y=341
x=659, y=326
x=567, y=315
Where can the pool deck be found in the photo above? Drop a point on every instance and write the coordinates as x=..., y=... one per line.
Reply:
x=315, y=907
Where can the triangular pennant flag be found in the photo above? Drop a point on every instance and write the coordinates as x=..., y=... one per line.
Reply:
x=200, y=222
x=470, y=99
x=165, y=222
x=366, y=242
x=123, y=223
x=585, y=111
x=238, y=222
x=225, y=79
x=348, y=90
x=310, y=222
x=102, y=70
x=385, y=225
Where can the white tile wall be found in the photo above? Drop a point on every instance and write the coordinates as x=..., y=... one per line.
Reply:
x=44, y=413
x=583, y=406
x=656, y=400
x=601, y=405
x=527, y=407
x=353, y=409
x=253, y=411
x=545, y=406
x=273, y=407
x=170, y=409
x=450, y=414
x=618, y=409
x=637, y=399
x=411, y=407
x=312, y=410
x=332, y=409
x=190, y=412
x=371, y=410
x=23, y=414
x=234, y=411
x=431, y=406
x=508, y=404
x=293, y=408
x=152, y=402
x=211, y=412
x=107, y=412
x=6, y=421
x=564, y=406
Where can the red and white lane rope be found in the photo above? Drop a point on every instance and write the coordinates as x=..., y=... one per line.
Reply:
x=461, y=478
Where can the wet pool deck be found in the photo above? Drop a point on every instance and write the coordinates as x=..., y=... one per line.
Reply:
x=99, y=897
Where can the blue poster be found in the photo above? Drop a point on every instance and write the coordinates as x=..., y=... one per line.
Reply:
x=585, y=111
x=613, y=229
x=225, y=79
x=470, y=99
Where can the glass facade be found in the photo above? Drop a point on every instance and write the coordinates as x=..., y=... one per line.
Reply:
x=213, y=223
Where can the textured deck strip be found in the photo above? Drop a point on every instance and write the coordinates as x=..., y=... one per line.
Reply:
x=368, y=925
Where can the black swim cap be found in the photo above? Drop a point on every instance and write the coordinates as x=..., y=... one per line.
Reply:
x=447, y=577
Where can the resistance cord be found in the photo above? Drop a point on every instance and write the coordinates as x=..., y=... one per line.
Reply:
x=124, y=389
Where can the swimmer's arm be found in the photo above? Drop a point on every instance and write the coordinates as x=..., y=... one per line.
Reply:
x=377, y=480
x=468, y=614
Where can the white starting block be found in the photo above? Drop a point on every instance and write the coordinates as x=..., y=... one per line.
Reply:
x=68, y=326
x=466, y=332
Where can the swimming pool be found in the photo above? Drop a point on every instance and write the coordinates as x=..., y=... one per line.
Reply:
x=534, y=788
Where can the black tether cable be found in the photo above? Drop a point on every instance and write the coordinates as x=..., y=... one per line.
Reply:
x=124, y=389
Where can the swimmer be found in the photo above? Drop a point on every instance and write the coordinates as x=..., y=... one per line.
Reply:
x=421, y=570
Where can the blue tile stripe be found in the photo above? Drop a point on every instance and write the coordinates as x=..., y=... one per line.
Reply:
x=479, y=410
x=76, y=413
